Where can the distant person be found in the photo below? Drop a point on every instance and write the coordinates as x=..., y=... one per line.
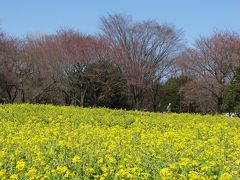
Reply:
x=169, y=107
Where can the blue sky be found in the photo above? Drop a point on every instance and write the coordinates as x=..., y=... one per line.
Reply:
x=195, y=17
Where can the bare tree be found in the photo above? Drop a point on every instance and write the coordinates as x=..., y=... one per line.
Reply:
x=77, y=52
x=40, y=55
x=211, y=64
x=144, y=50
x=10, y=67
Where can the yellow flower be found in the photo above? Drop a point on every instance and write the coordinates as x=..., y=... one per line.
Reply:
x=76, y=159
x=104, y=169
x=61, y=143
x=67, y=174
x=3, y=174
x=165, y=172
x=2, y=153
x=225, y=176
x=61, y=169
x=20, y=165
x=194, y=175
x=90, y=170
x=173, y=166
x=111, y=159
x=14, y=176
x=100, y=161
x=17, y=152
x=184, y=162
x=32, y=172
x=238, y=162
x=104, y=148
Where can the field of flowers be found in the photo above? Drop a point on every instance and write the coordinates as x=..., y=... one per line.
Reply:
x=48, y=142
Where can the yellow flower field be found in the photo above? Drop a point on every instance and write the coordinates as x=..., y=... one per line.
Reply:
x=48, y=142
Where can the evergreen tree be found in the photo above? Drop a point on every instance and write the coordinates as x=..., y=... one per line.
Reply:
x=231, y=99
x=171, y=94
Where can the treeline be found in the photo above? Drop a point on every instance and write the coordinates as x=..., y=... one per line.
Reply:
x=132, y=65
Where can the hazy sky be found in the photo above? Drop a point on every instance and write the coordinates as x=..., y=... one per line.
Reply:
x=195, y=17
